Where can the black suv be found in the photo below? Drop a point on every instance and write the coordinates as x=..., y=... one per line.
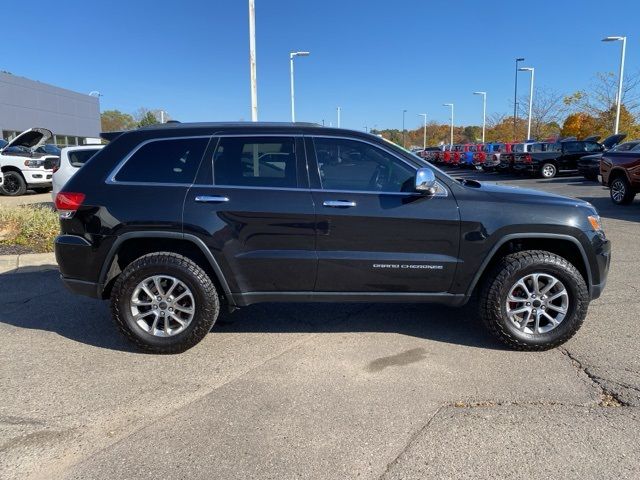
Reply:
x=173, y=222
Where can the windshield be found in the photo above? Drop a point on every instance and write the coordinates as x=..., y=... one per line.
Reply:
x=518, y=148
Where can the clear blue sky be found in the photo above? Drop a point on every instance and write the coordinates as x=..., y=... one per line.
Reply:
x=373, y=57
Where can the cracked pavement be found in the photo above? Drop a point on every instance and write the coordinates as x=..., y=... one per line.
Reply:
x=324, y=390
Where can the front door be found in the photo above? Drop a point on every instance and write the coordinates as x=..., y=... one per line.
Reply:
x=252, y=207
x=375, y=234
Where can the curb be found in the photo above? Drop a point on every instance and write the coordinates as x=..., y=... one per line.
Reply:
x=31, y=262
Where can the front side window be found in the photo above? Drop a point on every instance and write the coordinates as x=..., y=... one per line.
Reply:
x=164, y=161
x=255, y=162
x=358, y=166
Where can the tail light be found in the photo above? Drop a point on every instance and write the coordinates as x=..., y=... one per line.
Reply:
x=67, y=203
x=527, y=158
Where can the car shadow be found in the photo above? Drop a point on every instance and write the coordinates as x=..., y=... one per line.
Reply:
x=38, y=300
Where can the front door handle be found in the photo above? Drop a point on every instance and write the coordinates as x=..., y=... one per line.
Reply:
x=212, y=199
x=339, y=203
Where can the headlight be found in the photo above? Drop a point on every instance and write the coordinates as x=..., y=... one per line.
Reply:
x=33, y=163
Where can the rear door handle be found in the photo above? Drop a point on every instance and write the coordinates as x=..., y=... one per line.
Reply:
x=339, y=203
x=212, y=199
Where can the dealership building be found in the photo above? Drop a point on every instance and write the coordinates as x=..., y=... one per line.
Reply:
x=74, y=118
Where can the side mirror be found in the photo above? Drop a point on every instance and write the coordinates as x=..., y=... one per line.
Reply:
x=425, y=181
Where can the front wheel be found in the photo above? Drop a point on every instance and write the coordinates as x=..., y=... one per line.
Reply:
x=164, y=303
x=548, y=170
x=534, y=300
x=14, y=184
x=620, y=191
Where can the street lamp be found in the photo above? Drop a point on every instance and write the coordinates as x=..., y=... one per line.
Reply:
x=484, y=111
x=95, y=93
x=293, y=102
x=619, y=97
x=533, y=72
x=339, y=111
x=515, y=100
x=450, y=105
x=424, y=130
x=403, y=142
x=252, y=60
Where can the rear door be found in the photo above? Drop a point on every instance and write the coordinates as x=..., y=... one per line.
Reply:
x=375, y=234
x=252, y=207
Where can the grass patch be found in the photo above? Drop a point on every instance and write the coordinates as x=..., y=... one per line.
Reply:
x=33, y=226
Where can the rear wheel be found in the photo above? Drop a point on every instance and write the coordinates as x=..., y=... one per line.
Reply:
x=164, y=303
x=620, y=191
x=534, y=300
x=14, y=184
x=548, y=170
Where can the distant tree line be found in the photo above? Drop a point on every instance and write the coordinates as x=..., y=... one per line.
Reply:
x=554, y=115
x=115, y=120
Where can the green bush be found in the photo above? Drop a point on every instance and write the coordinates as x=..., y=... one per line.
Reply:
x=33, y=226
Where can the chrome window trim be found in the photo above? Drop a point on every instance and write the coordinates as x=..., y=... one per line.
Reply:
x=111, y=178
x=443, y=191
x=318, y=190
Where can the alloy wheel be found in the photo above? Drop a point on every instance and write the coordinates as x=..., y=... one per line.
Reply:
x=548, y=171
x=537, y=303
x=162, y=306
x=618, y=191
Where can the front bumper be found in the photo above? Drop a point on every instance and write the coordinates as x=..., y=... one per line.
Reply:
x=38, y=176
x=603, y=261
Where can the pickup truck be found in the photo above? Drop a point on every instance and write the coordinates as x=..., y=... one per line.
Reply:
x=589, y=166
x=23, y=167
x=620, y=170
x=564, y=155
x=507, y=159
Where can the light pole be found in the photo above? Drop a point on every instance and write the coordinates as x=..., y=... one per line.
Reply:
x=424, y=130
x=252, y=60
x=619, y=97
x=515, y=101
x=533, y=72
x=339, y=110
x=450, y=105
x=484, y=111
x=293, y=101
x=404, y=145
x=95, y=93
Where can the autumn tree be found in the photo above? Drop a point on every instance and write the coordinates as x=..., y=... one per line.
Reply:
x=116, y=121
x=579, y=125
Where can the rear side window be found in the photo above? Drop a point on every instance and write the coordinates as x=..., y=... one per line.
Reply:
x=255, y=162
x=78, y=158
x=164, y=161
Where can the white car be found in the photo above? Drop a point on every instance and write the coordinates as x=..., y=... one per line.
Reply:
x=71, y=160
x=23, y=167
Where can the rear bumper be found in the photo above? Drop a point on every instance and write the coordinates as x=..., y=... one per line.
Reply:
x=79, y=264
x=82, y=287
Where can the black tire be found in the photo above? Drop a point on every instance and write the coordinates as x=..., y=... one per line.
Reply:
x=14, y=184
x=494, y=292
x=620, y=191
x=206, y=302
x=593, y=177
x=548, y=170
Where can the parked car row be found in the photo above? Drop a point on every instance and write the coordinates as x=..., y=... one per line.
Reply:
x=617, y=163
x=544, y=159
x=28, y=163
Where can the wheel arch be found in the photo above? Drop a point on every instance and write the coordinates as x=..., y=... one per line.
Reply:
x=566, y=246
x=133, y=245
x=617, y=172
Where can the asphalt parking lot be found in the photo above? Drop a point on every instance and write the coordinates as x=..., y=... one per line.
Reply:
x=324, y=391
